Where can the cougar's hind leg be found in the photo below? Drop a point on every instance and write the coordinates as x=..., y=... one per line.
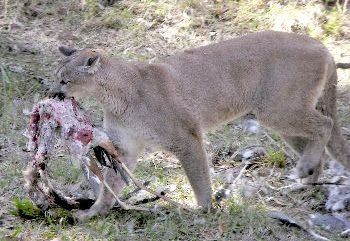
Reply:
x=310, y=125
x=338, y=147
x=298, y=144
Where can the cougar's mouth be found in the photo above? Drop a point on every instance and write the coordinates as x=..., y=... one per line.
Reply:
x=59, y=95
x=62, y=82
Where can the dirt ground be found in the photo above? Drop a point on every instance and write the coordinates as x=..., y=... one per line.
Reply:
x=31, y=32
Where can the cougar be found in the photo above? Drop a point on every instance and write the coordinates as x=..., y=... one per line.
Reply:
x=288, y=81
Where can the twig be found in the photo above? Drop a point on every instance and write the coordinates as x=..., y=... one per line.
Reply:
x=240, y=174
x=345, y=6
x=284, y=219
x=346, y=232
x=298, y=186
x=324, y=184
x=5, y=8
x=343, y=65
x=222, y=194
x=293, y=186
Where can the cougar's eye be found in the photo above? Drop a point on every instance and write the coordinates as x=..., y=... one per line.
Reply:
x=90, y=61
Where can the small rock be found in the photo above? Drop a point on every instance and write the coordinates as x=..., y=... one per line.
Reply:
x=252, y=126
x=221, y=194
x=15, y=26
x=330, y=222
x=17, y=48
x=249, y=153
x=56, y=239
x=199, y=221
x=172, y=187
x=130, y=227
x=338, y=195
x=248, y=191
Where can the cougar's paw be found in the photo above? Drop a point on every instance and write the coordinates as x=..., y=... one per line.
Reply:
x=308, y=172
x=84, y=215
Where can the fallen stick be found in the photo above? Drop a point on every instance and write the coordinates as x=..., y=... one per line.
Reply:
x=284, y=219
x=343, y=65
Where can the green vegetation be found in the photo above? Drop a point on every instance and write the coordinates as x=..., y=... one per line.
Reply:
x=276, y=158
x=25, y=208
x=14, y=88
x=115, y=17
x=335, y=22
x=92, y=8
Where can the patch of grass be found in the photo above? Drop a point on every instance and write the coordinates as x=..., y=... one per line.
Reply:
x=63, y=171
x=235, y=221
x=50, y=233
x=15, y=93
x=92, y=8
x=116, y=18
x=334, y=25
x=58, y=216
x=17, y=231
x=252, y=15
x=276, y=158
x=24, y=208
x=194, y=4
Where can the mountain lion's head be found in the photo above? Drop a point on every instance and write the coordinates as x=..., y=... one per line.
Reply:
x=76, y=73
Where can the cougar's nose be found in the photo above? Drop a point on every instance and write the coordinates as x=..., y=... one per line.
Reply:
x=60, y=95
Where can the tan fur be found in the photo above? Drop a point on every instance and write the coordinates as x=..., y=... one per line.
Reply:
x=279, y=77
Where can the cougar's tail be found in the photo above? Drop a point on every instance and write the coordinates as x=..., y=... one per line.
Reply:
x=337, y=146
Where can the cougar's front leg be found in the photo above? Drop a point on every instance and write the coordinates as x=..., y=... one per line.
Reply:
x=190, y=151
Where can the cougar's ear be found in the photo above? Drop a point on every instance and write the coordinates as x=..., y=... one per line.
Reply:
x=93, y=63
x=66, y=50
